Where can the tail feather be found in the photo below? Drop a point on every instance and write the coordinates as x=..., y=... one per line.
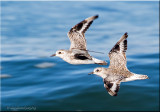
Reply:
x=99, y=62
x=136, y=77
x=142, y=77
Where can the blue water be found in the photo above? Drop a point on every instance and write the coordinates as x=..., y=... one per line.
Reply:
x=32, y=31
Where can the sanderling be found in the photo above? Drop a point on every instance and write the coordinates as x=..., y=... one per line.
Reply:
x=78, y=53
x=117, y=71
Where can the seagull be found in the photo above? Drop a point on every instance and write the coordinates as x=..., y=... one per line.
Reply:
x=78, y=53
x=117, y=71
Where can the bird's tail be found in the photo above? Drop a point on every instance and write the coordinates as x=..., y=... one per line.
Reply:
x=141, y=77
x=99, y=62
x=136, y=77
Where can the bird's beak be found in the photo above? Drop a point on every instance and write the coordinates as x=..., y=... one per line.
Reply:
x=90, y=73
x=53, y=55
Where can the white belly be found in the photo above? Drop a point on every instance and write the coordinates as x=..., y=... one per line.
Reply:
x=80, y=61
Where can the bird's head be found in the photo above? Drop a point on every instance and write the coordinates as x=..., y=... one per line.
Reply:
x=60, y=53
x=98, y=71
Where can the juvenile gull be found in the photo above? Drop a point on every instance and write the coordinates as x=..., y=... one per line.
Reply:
x=78, y=53
x=117, y=71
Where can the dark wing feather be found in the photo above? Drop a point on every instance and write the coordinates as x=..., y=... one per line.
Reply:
x=117, y=54
x=77, y=33
x=112, y=87
x=81, y=56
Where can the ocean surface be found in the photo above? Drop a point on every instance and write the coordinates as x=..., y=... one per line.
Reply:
x=32, y=80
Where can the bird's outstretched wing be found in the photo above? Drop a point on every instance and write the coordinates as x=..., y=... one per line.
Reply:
x=77, y=33
x=112, y=87
x=117, y=54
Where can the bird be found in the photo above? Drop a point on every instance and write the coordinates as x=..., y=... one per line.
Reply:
x=78, y=53
x=117, y=71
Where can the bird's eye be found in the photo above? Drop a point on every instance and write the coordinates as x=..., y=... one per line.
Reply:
x=97, y=70
x=59, y=52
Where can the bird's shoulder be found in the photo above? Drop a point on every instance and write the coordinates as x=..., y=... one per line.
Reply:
x=114, y=74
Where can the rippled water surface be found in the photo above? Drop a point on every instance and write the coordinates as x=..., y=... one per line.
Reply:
x=32, y=31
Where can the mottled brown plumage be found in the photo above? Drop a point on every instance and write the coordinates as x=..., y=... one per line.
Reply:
x=117, y=71
x=117, y=54
x=77, y=33
x=78, y=53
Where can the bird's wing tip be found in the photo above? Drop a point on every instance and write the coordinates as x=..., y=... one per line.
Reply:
x=126, y=34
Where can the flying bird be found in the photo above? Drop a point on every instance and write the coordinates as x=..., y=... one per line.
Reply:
x=117, y=71
x=78, y=53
